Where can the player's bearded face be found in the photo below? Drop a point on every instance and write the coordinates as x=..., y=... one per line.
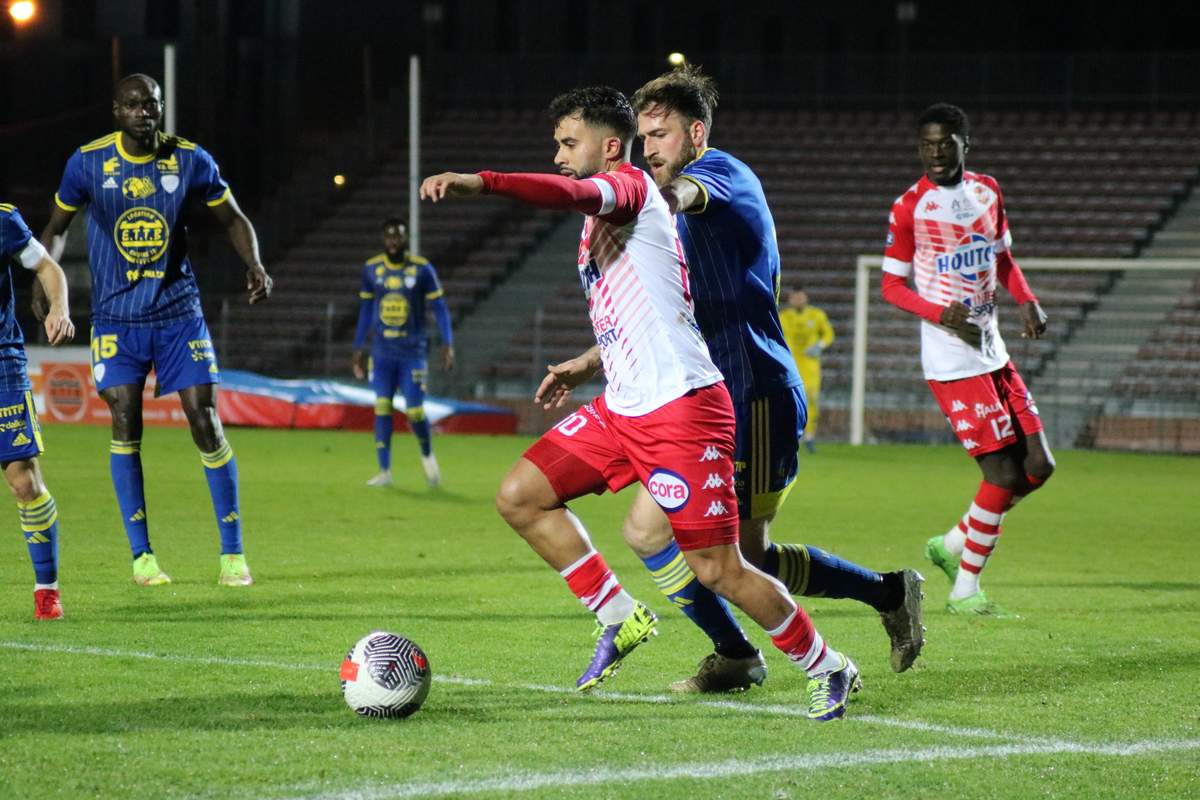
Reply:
x=666, y=145
x=394, y=239
x=580, y=148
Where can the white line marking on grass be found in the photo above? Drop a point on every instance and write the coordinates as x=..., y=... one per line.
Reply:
x=734, y=768
x=619, y=697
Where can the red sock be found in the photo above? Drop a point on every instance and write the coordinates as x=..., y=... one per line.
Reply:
x=983, y=526
x=592, y=581
x=800, y=641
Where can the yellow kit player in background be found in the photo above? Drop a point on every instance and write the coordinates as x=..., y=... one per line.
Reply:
x=808, y=332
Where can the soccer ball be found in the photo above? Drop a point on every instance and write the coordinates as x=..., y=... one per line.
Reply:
x=385, y=675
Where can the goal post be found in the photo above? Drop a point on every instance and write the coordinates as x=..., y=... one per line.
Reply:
x=1123, y=345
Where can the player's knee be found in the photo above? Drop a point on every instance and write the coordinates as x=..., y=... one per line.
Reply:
x=716, y=573
x=515, y=502
x=25, y=485
x=645, y=540
x=415, y=413
x=1039, y=467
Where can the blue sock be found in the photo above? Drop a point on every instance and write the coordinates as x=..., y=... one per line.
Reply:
x=125, y=465
x=711, y=613
x=811, y=572
x=420, y=427
x=39, y=522
x=220, y=468
x=383, y=433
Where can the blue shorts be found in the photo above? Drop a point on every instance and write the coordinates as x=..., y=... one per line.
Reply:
x=766, y=448
x=405, y=374
x=181, y=355
x=20, y=433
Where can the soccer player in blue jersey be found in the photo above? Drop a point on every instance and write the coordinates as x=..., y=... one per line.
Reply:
x=728, y=236
x=138, y=184
x=20, y=434
x=397, y=287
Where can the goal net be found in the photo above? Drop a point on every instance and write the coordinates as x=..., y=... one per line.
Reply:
x=1118, y=368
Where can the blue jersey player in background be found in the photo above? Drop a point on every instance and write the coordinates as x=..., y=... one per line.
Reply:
x=138, y=184
x=397, y=289
x=728, y=237
x=20, y=435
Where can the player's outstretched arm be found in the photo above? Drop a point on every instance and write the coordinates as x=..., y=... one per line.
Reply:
x=245, y=242
x=53, y=282
x=683, y=195
x=451, y=184
x=54, y=239
x=560, y=379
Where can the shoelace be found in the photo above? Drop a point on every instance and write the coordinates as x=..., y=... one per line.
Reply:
x=819, y=691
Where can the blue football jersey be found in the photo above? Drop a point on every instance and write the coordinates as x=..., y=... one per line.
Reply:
x=733, y=261
x=137, y=226
x=15, y=238
x=399, y=294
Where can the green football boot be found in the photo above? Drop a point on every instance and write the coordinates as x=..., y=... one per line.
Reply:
x=978, y=605
x=234, y=571
x=942, y=558
x=147, y=573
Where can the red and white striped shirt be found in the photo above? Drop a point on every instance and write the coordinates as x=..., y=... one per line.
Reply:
x=636, y=282
x=948, y=238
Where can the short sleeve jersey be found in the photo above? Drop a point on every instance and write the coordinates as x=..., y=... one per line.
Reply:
x=639, y=299
x=16, y=244
x=400, y=294
x=947, y=238
x=137, y=226
x=733, y=259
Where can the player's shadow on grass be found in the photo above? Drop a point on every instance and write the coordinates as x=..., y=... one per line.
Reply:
x=439, y=495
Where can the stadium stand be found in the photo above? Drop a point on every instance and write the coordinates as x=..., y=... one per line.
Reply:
x=1076, y=185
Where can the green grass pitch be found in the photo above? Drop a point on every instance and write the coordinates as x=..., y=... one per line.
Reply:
x=194, y=690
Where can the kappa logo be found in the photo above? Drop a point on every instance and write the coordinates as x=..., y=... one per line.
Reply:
x=963, y=425
x=714, y=481
x=715, y=509
x=970, y=444
x=669, y=490
x=711, y=454
x=957, y=406
x=109, y=183
x=931, y=206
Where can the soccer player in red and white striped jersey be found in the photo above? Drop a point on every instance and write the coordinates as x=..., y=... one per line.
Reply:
x=665, y=418
x=950, y=233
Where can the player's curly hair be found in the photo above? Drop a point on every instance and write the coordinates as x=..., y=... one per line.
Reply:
x=685, y=90
x=949, y=116
x=597, y=105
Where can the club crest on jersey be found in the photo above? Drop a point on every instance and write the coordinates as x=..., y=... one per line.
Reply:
x=141, y=235
x=668, y=489
x=136, y=188
x=975, y=254
x=392, y=282
x=393, y=309
x=409, y=281
x=169, y=183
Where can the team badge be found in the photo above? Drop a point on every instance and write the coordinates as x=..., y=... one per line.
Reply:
x=169, y=183
x=136, y=188
x=98, y=371
x=409, y=281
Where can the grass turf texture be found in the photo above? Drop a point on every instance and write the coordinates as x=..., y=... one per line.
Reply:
x=240, y=697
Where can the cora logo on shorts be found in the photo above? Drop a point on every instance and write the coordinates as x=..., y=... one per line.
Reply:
x=668, y=489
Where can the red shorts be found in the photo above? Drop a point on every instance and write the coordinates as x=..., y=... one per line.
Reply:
x=988, y=412
x=682, y=453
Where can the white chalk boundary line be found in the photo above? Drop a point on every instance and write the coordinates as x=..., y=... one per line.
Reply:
x=658, y=699
x=737, y=768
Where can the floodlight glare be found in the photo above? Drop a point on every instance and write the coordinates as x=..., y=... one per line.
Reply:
x=23, y=10
x=676, y=59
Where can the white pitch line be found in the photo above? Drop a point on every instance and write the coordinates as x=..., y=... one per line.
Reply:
x=735, y=768
x=654, y=699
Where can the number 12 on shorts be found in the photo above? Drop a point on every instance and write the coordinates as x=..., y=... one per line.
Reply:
x=1002, y=426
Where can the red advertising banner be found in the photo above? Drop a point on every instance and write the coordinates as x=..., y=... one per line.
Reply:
x=69, y=395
